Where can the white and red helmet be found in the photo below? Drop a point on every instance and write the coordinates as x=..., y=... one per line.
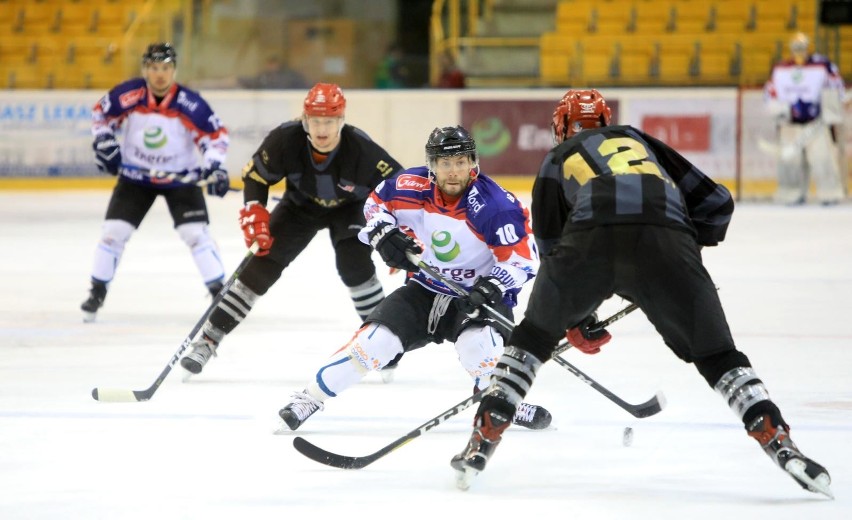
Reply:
x=579, y=110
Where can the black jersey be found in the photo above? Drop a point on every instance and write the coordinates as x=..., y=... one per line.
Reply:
x=347, y=176
x=621, y=175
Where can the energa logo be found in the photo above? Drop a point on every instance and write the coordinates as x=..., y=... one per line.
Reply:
x=444, y=247
x=155, y=137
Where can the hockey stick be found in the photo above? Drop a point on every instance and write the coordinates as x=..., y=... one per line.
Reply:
x=650, y=407
x=314, y=452
x=188, y=177
x=118, y=395
x=335, y=460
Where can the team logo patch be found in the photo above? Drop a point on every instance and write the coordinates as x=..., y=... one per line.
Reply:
x=444, y=247
x=155, y=137
x=131, y=98
x=412, y=182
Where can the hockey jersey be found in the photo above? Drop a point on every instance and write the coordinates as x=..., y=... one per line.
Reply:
x=165, y=136
x=347, y=175
x=621, y=175
x=485, y=233
x=800, y=86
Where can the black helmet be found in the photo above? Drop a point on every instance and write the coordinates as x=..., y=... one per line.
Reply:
x=163, y=52
x=449, y=141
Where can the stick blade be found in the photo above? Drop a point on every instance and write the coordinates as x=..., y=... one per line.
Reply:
x=317, y=454
x=117, y=395
x=652, y=406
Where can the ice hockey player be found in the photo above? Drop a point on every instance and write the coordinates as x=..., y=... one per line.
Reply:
x=475, y=233
x=616, y=211
x=329, y=168
x=164, y=125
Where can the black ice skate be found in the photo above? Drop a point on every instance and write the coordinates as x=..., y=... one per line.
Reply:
x=300, y=407
x=532, y=417
x=95, y=301
x=203, y=349
x=487, y=433
x=776, y=442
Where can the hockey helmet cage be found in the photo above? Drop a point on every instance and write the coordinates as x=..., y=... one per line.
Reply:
x=160, y=52
x=579, y=110
x=325, y=100
x=449, y=141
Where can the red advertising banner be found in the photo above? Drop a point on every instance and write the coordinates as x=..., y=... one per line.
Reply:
x=512, y=136
x=683, y=133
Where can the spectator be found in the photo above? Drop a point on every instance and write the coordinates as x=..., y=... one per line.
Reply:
x=274, y=75
x=451, y=75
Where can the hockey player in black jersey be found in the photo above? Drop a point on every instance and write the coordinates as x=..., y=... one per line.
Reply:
x=329, y=168
x=618, y=212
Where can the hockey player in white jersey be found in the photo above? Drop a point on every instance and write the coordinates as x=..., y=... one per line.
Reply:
x=806, y=93
x=165, y=127
x=472, y=231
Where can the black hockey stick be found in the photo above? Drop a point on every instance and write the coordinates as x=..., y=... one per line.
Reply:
x=650, y=407
x=314, y=452
x=188, y=177
x=118, y=395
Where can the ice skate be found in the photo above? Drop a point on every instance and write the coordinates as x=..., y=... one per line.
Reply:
x=532, y=417
x=95, y=301
x=202, y=350
x=483, y=441
x=300, y=407
x=776, y=442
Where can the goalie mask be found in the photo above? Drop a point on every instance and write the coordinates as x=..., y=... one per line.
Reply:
x=579, y=110
x=450, y=141
x=160, y=52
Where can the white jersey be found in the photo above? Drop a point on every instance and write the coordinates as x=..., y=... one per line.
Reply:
x=180, y=133
x=485, y=233
x=800, y=87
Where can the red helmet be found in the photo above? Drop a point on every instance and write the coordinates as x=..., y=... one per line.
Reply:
x=325, y=100
x=579, y=110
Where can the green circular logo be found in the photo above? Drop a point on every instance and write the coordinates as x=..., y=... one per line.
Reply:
x=155, y=137
x=492, y=138
x=444, y=247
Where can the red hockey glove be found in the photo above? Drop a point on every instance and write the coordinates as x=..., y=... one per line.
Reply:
x=254, y=219
x=586, y=340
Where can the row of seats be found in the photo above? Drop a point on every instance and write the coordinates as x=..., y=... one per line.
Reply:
x=616, y=17
x=672, y=42
x=72, y=43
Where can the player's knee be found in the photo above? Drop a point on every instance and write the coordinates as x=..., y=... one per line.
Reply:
x=195, y=234
x=354, y=263
x=478, y=349
x=116, y=233
x=374, y=346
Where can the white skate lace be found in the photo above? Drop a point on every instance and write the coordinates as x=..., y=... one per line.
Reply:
x=303, y=405
x=525, y=413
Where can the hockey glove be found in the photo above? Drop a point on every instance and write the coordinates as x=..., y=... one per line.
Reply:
x=254, y=219
x=486, y=291
x=393, y=246
x=217, y=179
x=107, y=154
x=585, y=339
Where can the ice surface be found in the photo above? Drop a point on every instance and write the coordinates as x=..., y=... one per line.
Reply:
x=205, y=448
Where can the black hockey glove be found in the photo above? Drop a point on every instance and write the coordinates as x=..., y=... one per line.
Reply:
x=393, y=246
x=107, y=154
x=486, y=291
x=587, y=339
x=217, y=179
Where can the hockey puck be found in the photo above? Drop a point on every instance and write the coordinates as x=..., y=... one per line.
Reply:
x=627, y=438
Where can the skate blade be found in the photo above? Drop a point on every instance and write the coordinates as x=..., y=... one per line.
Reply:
x=796, y=468
x=464, y=478
x=89, y=317
x=187, y=375
x=282, y=429
x=387, y=375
